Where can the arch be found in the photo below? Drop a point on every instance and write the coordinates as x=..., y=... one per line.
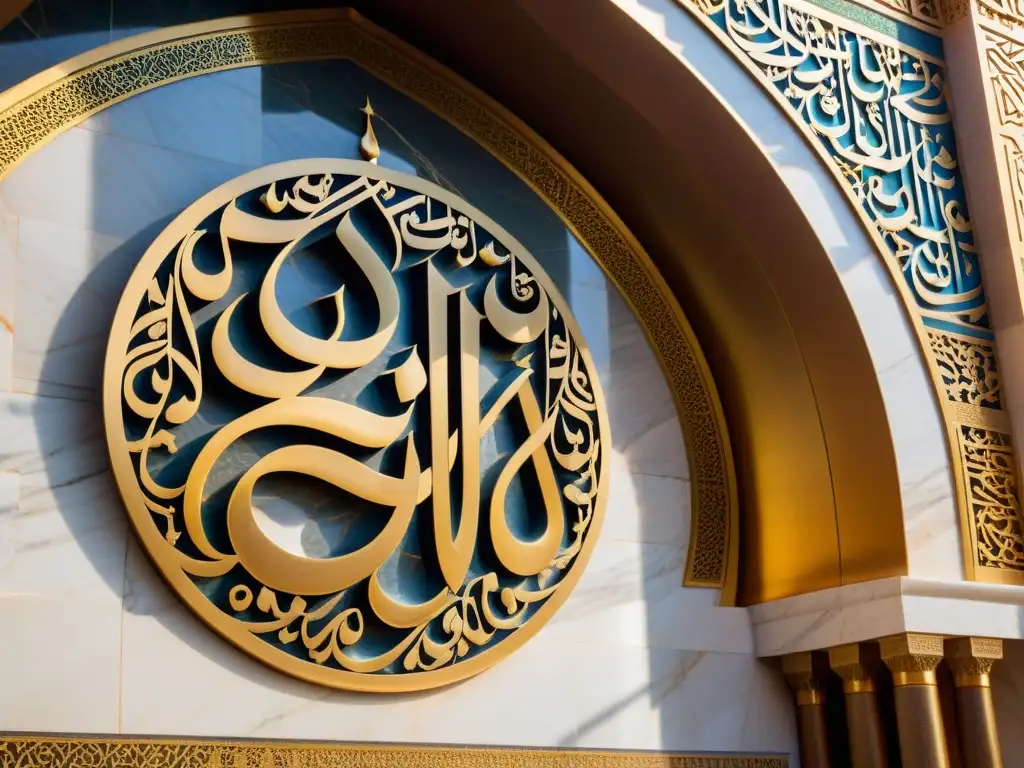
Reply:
x=817, y=478
x=819, y=485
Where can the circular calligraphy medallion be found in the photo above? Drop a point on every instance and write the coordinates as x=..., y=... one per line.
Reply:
x=363, y=347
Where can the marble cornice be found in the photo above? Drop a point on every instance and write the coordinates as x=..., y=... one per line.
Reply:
x=858, y=612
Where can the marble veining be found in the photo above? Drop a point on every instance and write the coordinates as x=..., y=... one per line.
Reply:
x=62, y=550
x=108, y=184
x=67, y=288
x=829, y=617
x=60, y=664
x=216, y=117
x=66, y=535
x=857, y=612
x=607, y=695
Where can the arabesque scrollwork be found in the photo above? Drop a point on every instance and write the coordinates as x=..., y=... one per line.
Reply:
x=1004, y=58
x=992, y=487
x=968, y=370
x=61, y=752
x=881, y=113
x=369, y=333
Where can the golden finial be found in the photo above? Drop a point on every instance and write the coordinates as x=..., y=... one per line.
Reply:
x=368, y=146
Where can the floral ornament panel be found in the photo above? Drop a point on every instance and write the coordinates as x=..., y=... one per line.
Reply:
x=355, y=425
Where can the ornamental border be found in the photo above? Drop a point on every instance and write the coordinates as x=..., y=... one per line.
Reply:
x=103, y=752
x=42, y=107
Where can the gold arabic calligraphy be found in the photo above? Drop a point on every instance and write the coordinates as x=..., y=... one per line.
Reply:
x=879, y=110
x=368, y=332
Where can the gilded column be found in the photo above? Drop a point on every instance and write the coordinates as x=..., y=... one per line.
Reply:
x=912, y=659
x=855, y=663
x=971, y=659
x=805, y=674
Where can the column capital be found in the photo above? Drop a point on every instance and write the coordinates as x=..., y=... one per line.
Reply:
x=855, y=663
x=805, y=672
x=971, y=659
x=912, y=658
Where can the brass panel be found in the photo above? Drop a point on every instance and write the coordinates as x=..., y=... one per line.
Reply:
x=782, y=463
x=60, y=752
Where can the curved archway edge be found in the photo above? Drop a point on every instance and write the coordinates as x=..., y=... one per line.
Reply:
x=951, y=321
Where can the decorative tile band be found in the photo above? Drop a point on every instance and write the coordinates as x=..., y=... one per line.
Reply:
x=40, y=109
x=55, y=752
x=968, y=370
x=991, y=483
x=876, y=111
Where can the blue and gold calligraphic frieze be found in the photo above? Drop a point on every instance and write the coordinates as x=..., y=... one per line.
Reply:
x=878, y=108
x=363, y=345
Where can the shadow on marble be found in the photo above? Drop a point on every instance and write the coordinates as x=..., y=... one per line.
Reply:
x=552, y=692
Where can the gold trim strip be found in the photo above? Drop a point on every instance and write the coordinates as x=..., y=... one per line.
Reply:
x=810, y=697
x=60, y=752
x=44, y=106
x=966, y=680
x=914, y=677
x=859, y=686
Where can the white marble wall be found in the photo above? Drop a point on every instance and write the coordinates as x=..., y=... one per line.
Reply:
x=930, y=513
x=92, y=639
